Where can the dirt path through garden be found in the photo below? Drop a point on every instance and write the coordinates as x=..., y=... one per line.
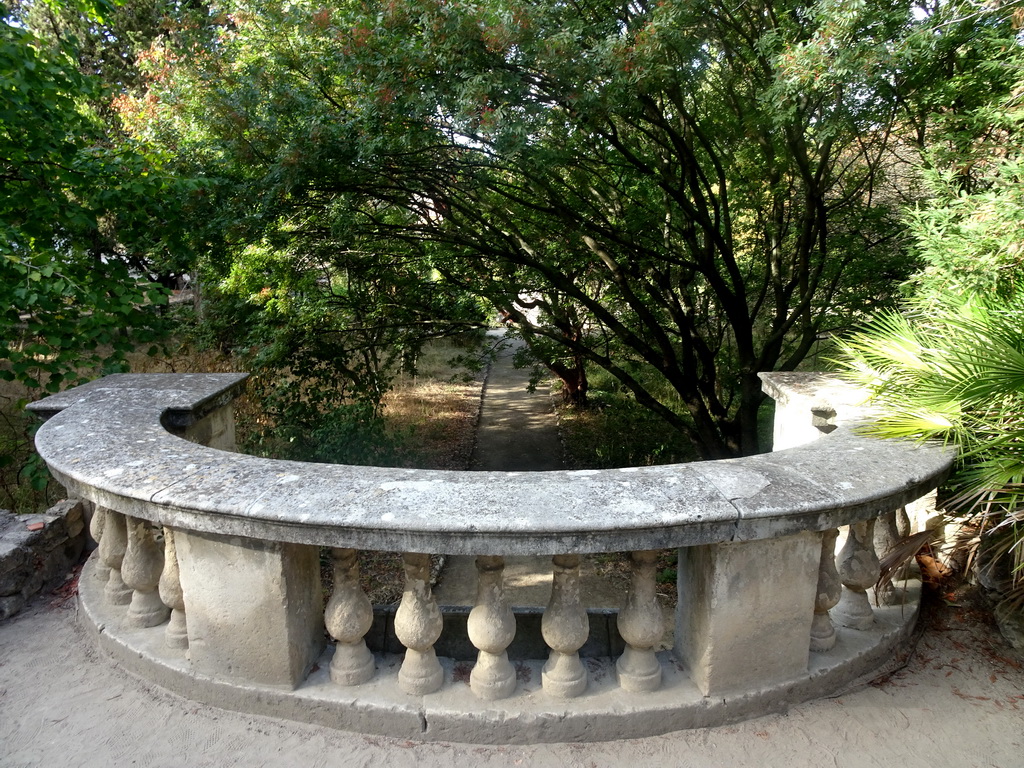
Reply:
x=518, y=432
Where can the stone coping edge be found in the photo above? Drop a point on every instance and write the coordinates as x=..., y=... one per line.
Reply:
x=603, y=713
x=186, y=398
x=111, y=447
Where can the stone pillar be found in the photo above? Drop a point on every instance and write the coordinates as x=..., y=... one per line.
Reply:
x=642, y=626
x=886, y=537
x=745, y=611
x=99, y=517
x=418, y=624
x=858, y=570
x=112, y=548
x=176, y=635
x=254, y=607
x=823, y=633
x=810, y=405
x=492, y=627
x=216, y=429
x=565, y=629
x=141, y=569
x=348, y=617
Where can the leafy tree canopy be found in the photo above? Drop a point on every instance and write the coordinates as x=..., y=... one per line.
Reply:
x=684, y=192
x=950, y=363
x=81, y=222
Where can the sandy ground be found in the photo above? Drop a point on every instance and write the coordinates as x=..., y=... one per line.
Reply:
x=958, y=702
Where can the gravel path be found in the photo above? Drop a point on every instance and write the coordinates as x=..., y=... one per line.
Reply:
x=517, y=429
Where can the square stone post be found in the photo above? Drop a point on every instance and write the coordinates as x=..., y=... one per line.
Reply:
x=809, y=405
x=745, y=609
x=215, y=430
x=255, y=610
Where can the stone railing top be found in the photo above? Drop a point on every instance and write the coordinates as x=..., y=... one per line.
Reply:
x=817, y=391
x=108, y=443
x=184, y=399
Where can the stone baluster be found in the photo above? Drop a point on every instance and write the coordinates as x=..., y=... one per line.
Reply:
x=886, y=536
x=565, y=628
x=905, y=527
x=492, y=627
x=176, y=634
x=642, y=626
x=858, y=570
x=141, y=569
x=99, y=517
x=348, y=618
x=830, y=588
x=113, y=545
x=418, y=624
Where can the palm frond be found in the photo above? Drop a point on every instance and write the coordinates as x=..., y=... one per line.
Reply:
x=902, y=552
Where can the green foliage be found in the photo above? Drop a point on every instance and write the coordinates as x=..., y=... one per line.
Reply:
x=691, y=188
x=103, y=37
x=953, y=370
x=615, y=431
x=25, y=484
x=950, y=366
x=325, y=314
x=76, y=226
x=83, y=226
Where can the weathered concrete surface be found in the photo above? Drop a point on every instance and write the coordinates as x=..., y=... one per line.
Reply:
x=605, y=712
x=118, y=454
x=254, y=610
x=809, y=405
x=745, y=611
x=215, y=429
x=185, y=399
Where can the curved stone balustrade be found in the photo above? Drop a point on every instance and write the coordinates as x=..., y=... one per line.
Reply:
x=234, y=542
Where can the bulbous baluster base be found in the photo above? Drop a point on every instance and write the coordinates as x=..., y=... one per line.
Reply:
x=854, y=610
x=176, y=634
x=823, y=633
x=421, y=672
x=146, y=610
x=116, y=591
x=563, y=675
x=352, y=664
x=858, y=569
x=493, y=677
x=639, y=670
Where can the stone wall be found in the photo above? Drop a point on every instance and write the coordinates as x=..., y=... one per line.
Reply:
x=37, y=551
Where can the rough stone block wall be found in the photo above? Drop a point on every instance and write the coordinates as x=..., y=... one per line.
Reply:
x=37, y=551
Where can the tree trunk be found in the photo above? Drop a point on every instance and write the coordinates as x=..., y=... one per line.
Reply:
x=574, y=381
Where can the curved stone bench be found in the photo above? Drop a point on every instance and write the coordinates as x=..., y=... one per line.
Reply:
x=224, y=549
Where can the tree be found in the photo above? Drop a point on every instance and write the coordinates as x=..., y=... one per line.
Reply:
x=689, y=192
x=78, y=218
x=950, y=364
x=325, y=317
x=104, y=38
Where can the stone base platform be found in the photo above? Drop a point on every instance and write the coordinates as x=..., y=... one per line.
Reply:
x=604, y=712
